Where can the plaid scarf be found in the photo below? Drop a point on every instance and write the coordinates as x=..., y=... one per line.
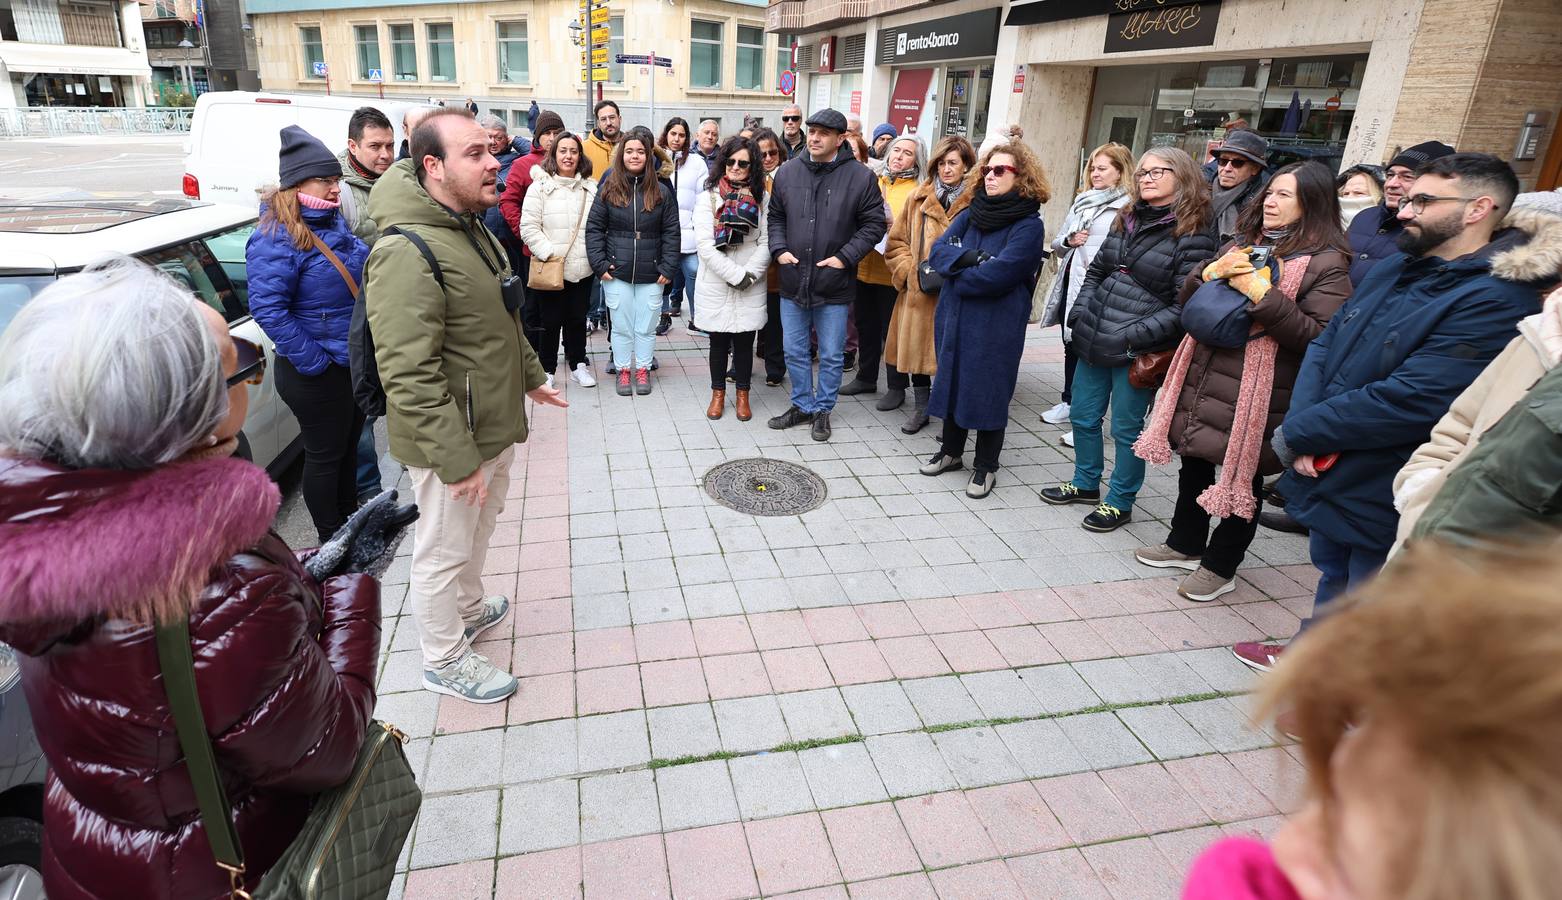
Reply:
x=737, y=215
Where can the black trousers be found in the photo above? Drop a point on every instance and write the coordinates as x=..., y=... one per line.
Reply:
x=562, y=311
x=873, y=306
x=531, y=310
x=1222, y=551
x=1068, y=370
x=330, y=422
x=740, y=347
x=988, y=445
x=770, y=346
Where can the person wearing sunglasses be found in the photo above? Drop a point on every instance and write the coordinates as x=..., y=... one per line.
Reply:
x=793, y=142
x=122, y=505
x=1240, y=172
x=304, y=268
x=1373, y=233
x=733, y=249
x=767, y=345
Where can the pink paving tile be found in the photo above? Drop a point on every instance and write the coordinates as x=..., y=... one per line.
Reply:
x=858, y=662
x=547, y=506
x=1181, y=848
x=1134, y=870
x=728, y=634
x=1300, y=607
x=664, y=640
x=456, y=716
x=991, y=610
x=1220, y=789
x=1023, y=645
x=543, y=697
x=1145, y=595
x=549, y=875
x=1154, y=798
x=1059, y=875
x=710, y=863
x=901, y=887
x=1086, y=808
x=499, y=560
x=735, y=675
x=774, y=630
x=542, y=531
x=543, y=654
x=501, y=585
x=914, y=656
x=673, y=682
x=869, y=842
x=1270, y=617
x=887, y=620
x=1174, y=629
x=1274, y=772
x=633, y=867
x=832, y=892
x=599, y=647
x=984, y=881
x=791, y=853
x=1127, y=635
x=543, y=584
x=969, y=651
x=944, y=829
x=1042, y=605
x=796, y=669
x=607, y=690
x=1092, y=601
x=534, y=617
x=834, y=625
x=1222, y=624
x=544, y=555
x=1259, y=829
x=1016, y=819
x=463, y=881
x=940, y=614
x=1076, y=640
x=1306, y=576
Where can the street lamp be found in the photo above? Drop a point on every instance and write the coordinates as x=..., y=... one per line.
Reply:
x=575, y=32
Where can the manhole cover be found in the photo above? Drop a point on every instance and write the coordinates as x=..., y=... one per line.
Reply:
x=765, y=487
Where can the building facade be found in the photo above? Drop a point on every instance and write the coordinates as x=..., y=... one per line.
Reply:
x=507, y=53
x=193, y=53
x=72, y=53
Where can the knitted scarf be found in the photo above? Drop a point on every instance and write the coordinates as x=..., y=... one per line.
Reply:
x=738, y=214
x=947, y=194
x=992, y=214
x=1232, y=492
x=309, y=201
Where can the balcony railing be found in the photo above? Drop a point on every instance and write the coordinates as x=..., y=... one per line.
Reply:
x=53, y=121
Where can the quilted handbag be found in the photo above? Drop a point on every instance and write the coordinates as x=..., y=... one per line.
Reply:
x=348, y=846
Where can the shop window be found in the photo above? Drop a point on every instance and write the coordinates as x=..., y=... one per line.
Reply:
x=615, y=47
x=90, y=24
x=705, y=54
x=404, y=53
x=751, y=58
x=513, y=61
x=854, y=51
x=784, y=53
x=367, y=40
x=314, y=50
x=441, y=51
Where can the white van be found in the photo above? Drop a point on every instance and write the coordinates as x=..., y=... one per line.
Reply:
x=236, y=135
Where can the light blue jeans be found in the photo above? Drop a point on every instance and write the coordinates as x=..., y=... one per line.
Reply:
x=635, y=308
x=797, y=323
x=1094, y=387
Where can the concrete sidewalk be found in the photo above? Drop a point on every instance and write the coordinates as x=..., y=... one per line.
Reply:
x=902, y=694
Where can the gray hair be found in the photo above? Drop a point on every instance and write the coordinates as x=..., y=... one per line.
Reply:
x=921, y=151
x=113, y=367
x=490, y=121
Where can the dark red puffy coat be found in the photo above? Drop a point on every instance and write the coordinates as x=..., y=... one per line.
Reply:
x=284, y=667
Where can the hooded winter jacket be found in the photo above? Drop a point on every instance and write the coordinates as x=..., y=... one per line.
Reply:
x=297, y=296
x=819, y=210
x=454, y=365
x=689, y=175
x=284, y=667
x=719, y=304
x=634, y=244
x=355, y=202
x=555, y=211
x=600, y=151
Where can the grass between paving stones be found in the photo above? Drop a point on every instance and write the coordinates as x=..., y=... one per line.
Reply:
x=789, y=747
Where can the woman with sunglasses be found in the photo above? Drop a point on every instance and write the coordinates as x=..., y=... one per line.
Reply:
x=988, y=259
x=121, y=505
x=733, y=245
x=1127, y=308
x=767, y=345
x=304, y=268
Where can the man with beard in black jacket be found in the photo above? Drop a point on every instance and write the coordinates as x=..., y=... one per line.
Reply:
x=826, y=213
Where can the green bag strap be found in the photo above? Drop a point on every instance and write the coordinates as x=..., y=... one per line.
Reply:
x=178, y=664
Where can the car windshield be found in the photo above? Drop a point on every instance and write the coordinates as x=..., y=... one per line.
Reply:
x=16, y=290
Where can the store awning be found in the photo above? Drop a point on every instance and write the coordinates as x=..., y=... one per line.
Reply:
x=72, y=59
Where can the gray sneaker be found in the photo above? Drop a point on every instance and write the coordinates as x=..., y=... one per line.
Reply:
x=472, y=678
x=1163, y=557
x=494, y=611
x=1203, y=586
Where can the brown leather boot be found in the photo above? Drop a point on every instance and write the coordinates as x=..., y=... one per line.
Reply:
x=718, y=400
x=744, y=413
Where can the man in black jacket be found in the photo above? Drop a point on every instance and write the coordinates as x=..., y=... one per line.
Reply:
x=826, y=213
x=1374, y=233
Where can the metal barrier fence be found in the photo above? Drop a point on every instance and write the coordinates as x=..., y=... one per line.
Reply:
x=54, y=121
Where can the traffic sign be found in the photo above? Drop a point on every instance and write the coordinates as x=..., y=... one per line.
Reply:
x=601, y=34
x=639, y=59
x=321, y=70
x=788, y=83
x=599, y=14
x=598, y=56
x=376, y=76
x=598, y=73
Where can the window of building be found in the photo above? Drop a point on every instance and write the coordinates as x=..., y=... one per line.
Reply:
x=441, y=51
x=615, y=46
x=367, y=39
x=511, y=37
x=705, y=55
x=404, y=53
x=314, y=50
x=783, y=53
x=751, y=58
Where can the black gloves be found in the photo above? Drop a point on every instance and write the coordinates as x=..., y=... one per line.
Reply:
x=366, y=542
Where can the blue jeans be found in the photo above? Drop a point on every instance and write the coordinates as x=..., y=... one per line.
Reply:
x=1341, y=568
x=368, y=461
x=635, y=308
x=828, y=320
x=1093, y=388
x=597, y=309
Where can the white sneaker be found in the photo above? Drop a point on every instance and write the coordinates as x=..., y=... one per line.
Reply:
x=1057, y=415
x=472, y=678
x=550, y=381
x=582, y=375
x=1068, y=438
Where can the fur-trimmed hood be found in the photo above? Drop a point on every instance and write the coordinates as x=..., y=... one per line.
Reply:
x=136, y=545
x=1537, y=260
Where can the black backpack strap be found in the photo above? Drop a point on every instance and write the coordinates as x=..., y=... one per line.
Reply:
x=422, y=245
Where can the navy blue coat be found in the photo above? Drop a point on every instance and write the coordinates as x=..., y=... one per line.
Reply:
x=1412, y=337
x=1373, y=237
x=298, y=297
x=979, y=323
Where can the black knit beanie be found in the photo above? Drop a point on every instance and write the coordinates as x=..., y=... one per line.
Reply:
x=303, y=157
x=1421, y=154
x=547, y=121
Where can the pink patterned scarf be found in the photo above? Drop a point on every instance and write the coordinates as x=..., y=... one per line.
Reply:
x=1232, y=492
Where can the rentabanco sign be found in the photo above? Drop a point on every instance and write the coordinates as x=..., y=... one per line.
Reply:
x=967, y=36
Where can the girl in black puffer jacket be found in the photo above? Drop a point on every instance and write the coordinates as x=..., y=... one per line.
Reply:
x=1127, y=308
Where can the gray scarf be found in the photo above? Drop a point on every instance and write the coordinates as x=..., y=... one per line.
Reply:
x=1228, y=205
x=948, y=194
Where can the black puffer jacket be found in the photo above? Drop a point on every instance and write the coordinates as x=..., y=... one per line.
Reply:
x=819, y=210
x=1128, y=302
x=633, y=244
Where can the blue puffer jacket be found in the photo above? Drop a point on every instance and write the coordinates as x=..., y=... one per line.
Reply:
x=298, y=297
x=1414, y=335
x=1373, y=237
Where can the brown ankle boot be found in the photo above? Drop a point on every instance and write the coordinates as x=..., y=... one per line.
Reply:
x=718, y=400
x=744, y=413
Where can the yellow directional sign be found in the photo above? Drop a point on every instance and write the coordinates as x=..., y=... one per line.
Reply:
x=599, y=73
x=598, y=56
x=599, y=15
x=601, y=34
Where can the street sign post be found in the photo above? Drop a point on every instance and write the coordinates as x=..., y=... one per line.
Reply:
x=377, y=78
x=321, y=70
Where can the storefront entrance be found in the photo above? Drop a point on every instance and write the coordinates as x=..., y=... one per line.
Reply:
x=966, y=92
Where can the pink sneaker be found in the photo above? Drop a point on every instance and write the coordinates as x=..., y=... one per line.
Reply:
x=1258, y=656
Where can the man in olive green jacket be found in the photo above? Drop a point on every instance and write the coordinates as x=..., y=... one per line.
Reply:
x=456, y=373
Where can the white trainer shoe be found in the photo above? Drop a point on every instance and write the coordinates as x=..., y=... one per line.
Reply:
x=582, y=375
x=1068, y=438
x=1057, y=415
x=550, y=380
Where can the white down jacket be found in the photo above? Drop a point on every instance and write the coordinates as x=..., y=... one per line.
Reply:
x=553, y=210
x=689, y=178
x=718, y=303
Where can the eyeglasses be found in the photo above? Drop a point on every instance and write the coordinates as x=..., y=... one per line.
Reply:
x=1230, y=162
x=252, y=363
x=791, y=118
x=1417, y=204
x=999, y=170
x=739, y=164
x=1151, y=175
x=328, y=180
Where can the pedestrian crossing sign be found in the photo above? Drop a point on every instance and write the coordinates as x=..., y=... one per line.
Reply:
x=376, y=76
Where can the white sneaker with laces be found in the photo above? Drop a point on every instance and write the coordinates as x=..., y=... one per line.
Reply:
x=472, y=678
x=1068, y=439
x=1057, y=415
x=582, y=375
x=550, y=380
